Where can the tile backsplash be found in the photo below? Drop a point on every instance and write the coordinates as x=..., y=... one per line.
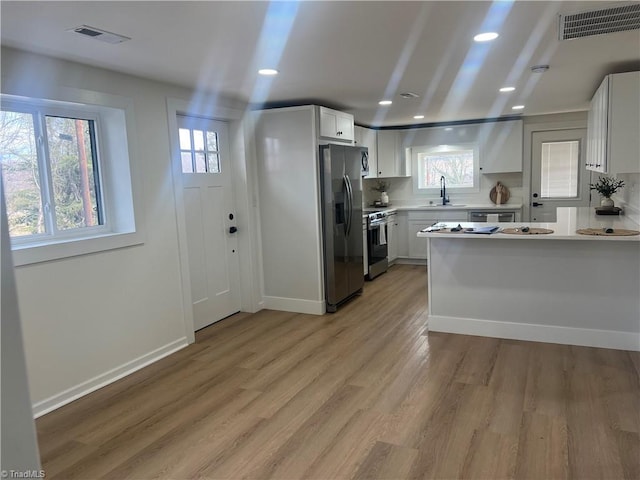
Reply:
x=401, y=191
x=629, y=196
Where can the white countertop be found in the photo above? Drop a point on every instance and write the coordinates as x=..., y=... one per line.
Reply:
x=453, y=206
x=569, y=220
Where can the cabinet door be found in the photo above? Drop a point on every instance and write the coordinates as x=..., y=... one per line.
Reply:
x=418, y=246
x=597, y=129
x=369, y=140
x=624, y=123
x=344, y=123
x=417, y=220
x=392, y=238
x=392, y=160
x=402, y=239
x=502, y=149
x=387, y=153
x=336, y=125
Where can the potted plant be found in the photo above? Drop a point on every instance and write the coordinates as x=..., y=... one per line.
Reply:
x=606, y=186
x=382, y=187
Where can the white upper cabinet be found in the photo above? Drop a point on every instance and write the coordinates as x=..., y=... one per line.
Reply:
x=501, y=146
x=597, y=129
x=392, y=158
x=367, y=137
x=613, y=129
x=336, y=125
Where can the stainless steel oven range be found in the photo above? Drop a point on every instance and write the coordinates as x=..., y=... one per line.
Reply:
x=377, y=244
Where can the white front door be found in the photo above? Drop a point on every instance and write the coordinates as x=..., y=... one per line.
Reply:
x=559, y=177
x=210, y=219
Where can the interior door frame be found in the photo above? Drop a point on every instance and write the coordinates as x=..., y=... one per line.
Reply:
x=243, y=187
x=573, y=120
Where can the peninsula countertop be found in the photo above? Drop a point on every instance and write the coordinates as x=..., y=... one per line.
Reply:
x=569, y=221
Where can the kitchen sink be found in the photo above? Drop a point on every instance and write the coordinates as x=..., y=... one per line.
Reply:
x=438, y=205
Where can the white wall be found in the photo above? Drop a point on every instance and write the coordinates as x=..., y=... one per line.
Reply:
x=88, y=319
x=18, y=444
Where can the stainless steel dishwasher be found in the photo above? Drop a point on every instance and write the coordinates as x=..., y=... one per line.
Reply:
x=482, y=216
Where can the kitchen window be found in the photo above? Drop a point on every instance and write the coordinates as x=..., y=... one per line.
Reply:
x=67, y=192
x=457, y=163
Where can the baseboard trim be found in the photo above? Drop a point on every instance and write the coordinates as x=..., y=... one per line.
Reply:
x=410, y=261
x=586, y=337
x=296, y=305
x=56, y=401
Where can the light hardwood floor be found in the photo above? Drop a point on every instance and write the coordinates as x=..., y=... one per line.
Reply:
x=363, y=393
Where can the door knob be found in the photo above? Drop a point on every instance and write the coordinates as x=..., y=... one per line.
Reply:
x=233, y=229
x=536, y=204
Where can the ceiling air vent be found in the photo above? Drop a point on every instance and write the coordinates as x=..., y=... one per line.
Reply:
x=599, y=22
x=102, y=35
x=409, y=95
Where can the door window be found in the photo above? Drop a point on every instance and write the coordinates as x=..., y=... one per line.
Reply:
x=199, y=151
x=559, y=169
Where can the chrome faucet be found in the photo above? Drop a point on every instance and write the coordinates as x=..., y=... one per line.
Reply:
x=443, y=190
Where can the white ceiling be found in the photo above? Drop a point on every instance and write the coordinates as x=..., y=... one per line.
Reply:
x=348, y=55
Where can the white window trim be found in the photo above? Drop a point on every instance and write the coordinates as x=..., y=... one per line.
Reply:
x=438, y=148
x=119, y=175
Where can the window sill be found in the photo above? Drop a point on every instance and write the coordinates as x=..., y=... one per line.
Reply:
x=27, y=254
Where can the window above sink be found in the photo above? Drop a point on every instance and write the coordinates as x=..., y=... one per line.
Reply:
x=457, y=163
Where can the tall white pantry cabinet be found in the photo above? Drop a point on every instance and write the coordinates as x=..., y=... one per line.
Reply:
x=287, y=143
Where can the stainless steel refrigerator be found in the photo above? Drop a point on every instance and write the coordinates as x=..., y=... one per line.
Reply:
x=341, y=186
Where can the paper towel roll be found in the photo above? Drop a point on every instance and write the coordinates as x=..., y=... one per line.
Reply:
x=493, y=218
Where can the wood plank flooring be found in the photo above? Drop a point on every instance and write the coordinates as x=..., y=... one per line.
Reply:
x=365, y=393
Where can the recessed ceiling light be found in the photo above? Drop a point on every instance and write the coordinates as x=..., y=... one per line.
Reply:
x=448, y=129
x=268, y=71
x=507, y=89
x=485, y=37
x=418, y=117
x=517, y=107
x=385, y=102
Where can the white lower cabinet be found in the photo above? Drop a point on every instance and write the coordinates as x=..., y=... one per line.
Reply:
x=392, y=240
x=401, y=234
x=419, y=220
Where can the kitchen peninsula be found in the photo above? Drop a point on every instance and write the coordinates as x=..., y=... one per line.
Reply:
x=560, y=287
